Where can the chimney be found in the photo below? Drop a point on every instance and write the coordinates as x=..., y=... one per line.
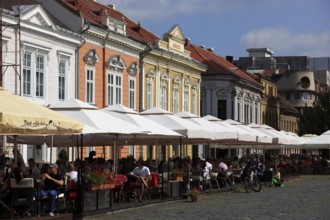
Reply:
x=112, y=6
x=210, y=49
x=187, y=42
x=230, y=59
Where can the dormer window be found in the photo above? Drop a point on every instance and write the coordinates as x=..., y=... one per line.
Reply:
x=113, y=24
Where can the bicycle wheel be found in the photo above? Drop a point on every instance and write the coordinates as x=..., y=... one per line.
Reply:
x=256, y=185
x=247, y=184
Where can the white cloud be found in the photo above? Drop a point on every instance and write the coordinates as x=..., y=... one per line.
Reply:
x=284, y=41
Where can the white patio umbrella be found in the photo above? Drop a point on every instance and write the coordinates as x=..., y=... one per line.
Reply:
x=157, y=134
x=319, y=142
x=247, y=135
x=220, y=133
x=278, y=141
x=295, y=140
x=191, y=132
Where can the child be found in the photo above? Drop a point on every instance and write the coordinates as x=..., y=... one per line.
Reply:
x=276, y=180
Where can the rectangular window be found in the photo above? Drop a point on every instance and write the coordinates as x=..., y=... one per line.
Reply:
x=163, y=97
x=114, y=89
x=40, y=76
x=246, y=113
x=110, y=89
x=149, y=95
x=238, y=112
x=90, y=86
x=118, y=89
x=186, y=100
x=27, y=74
x=61, y=79
x=175, y=100
x=222, y=109
x=132, y=93
x=296, y=96
x=306, y=96
x=194, y=103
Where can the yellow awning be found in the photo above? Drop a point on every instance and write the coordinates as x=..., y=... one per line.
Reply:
x=21, y=116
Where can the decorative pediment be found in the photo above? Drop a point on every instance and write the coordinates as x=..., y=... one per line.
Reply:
x=133, y=69
x=164, y=77
x=222, y=92
x=177, y=80
x=186, y=82
x=91, y=57
x=116, y=63
x=151, y=74
x=34, y=14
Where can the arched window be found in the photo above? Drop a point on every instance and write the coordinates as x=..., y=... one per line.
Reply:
x=150, y=92
x=176, y=86
x=186, y=100
x=163, y=91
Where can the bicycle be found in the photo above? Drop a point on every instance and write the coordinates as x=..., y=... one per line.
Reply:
x=252, y=182
x=248, y=179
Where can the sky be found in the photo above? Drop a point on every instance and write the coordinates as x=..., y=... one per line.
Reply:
x=230, y=27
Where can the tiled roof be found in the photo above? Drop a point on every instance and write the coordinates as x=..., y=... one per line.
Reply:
x=286, y=106
x=91, y=11
x=216, y=64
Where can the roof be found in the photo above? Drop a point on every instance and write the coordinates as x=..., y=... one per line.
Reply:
x=217, y=64
x=285, y=106
x=91, y=11
x=9, y=4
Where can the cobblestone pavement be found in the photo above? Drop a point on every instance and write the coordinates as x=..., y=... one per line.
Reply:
x=303, y=198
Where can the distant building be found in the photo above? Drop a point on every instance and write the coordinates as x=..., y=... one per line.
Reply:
x=296, y=81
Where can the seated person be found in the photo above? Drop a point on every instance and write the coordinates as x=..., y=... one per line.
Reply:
x=17, y=174
x=52, y=180
x=143, y=173
x=71, y=173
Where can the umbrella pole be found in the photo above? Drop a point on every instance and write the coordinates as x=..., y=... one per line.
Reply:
x=51, y=150
x=115, y=154
x=15, y=149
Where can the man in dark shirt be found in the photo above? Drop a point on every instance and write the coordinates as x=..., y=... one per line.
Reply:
x=52, y=180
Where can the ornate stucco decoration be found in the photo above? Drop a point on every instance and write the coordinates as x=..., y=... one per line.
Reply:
x=91, y=57
x=133, y=69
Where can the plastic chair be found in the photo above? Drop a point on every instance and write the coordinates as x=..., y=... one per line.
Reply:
x=153, y=185
x=131, y=187
x=213, y=178
x=120, y=182
x=21, y=195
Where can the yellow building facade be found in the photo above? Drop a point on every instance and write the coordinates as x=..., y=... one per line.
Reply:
x=171, y=81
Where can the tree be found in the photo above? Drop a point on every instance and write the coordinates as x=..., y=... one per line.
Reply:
x=316, y=119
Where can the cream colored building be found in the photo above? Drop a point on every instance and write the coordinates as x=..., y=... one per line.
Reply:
x=171, y=81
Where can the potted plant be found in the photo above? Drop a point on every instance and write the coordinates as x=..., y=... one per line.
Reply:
x=194, y=195
x=177, y=174
x=94, y=179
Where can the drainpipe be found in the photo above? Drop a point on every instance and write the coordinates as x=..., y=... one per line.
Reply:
x=105, y=69
x=82, y=31
x=142, y=55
